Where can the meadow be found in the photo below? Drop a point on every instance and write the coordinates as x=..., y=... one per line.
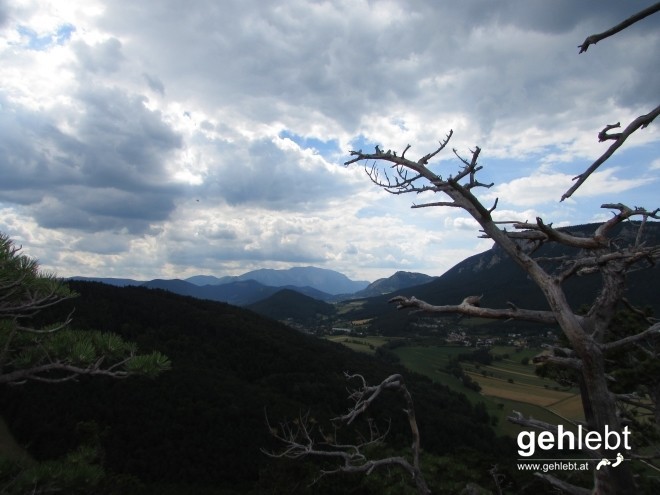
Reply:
x=507, y=384
x=367, y=344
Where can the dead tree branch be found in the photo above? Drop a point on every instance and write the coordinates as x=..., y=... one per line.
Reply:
x=66, y=373
x=639, y=123
x=652, y=331
x=599, y=252
x=468, y=308
x=595, y=38
x=298, y=439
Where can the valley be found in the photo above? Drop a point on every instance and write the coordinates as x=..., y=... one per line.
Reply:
x=250, y=359
x=505, y=385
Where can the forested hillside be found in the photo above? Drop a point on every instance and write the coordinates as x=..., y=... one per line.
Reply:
x=493, y=275
x=199, y=428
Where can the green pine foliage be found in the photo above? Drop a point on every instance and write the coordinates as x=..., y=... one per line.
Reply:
x=76, y=473
x=35, y=346
x=53, y=352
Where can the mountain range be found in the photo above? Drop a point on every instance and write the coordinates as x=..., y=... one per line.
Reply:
x=303, y=294
x=497, y=278
x=318, y=283
x=324, y=280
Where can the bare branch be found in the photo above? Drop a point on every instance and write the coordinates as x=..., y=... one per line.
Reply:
x=364, y=397
x=299, y=442
x=584, y=333
x=595, y=38
x=634, y=400
x=518, y=419
x=425, y=159
x=564, y=362
x=492, y=208
x=591, y=264
x=652, y=331
x=437, y=203
x=543, y=231
x=69, y=372
x=568, y=239
x=470, y=170
x=638, y=311
x=625, y=213
x=639, y=123
x=472, y=310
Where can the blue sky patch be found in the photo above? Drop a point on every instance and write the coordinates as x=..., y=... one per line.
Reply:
x=324, y=148
x=362, y=143
x=43, y=42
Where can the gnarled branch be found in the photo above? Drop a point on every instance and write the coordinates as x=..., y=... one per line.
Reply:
x=299, y=439
x=595, y=38
x=470, y=309
x=639, y=123
x=652, y=331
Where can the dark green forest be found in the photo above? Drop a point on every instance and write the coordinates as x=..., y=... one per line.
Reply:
x=201, y=427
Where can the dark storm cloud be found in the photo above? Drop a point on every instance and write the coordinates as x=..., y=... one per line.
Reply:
x=558, y=16
x=107, y=173
x=155, y=84
x=104, y=57
x=194, y=123
x=98, y=209
x=102, y=244
x=344, y=61
x=126, y=145
x=198, y=254
x=4, y=13
x=34, y=154
x=259, y=173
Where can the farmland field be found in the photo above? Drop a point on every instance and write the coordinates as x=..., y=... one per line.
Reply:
x=360, y=344
x=506, y=384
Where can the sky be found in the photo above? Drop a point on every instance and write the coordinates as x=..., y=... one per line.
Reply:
x=167, y=139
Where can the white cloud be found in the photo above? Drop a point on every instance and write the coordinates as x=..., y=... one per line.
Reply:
x=162, y=139
x=544, y=188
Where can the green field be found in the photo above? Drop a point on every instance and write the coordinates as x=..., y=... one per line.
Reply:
x=349, y=306
x=360, y=344
x=528, y=394
x=506, y=384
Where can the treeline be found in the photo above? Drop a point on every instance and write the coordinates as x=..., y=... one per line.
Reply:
x=200, y=427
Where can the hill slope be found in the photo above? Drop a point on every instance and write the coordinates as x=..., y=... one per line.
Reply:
x=400, y=280
x=495, y=276
x=199, y=428
x=290, y=304
x=239, y=293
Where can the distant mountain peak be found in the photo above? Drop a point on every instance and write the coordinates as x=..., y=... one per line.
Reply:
x=400, y=280
x=322, y=279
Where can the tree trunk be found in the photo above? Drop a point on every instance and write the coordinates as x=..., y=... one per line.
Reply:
x=609, y=481
x=600, y=409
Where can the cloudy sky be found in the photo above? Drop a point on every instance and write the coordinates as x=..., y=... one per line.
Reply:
x=169, y=138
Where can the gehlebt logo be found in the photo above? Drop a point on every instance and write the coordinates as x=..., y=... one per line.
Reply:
x=530, y=442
